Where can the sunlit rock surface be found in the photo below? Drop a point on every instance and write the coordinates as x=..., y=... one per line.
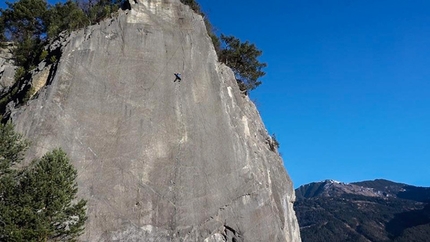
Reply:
x=7, y=68
x=160, y=160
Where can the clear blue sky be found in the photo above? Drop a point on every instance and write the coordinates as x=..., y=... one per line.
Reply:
x=347, y=90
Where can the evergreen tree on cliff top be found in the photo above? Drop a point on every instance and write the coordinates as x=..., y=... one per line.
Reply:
x=242, y=58
x=30, y=23
x=38, y=202
x=24, y=23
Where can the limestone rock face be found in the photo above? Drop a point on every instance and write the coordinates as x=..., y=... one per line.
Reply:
x=160, y=160
x=7, y=68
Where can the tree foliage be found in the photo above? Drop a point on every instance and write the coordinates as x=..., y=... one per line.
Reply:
x=2, y=29
x=193, y=5
x=24, y=24
x=12, y=148
x=31, y=23
x=38, y=202
x=97, y=10
x=65, y=16
x=25, y=19
x=242, y=58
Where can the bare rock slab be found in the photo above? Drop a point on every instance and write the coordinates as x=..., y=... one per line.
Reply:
x=160, y=160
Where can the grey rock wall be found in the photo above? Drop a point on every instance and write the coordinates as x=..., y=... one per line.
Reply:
x=160, y=160
x=7, y=68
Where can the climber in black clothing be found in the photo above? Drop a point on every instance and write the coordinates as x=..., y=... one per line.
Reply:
x=178, y=77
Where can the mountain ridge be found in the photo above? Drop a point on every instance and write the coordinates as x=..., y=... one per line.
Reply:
x=377, y=188
x=378, y=210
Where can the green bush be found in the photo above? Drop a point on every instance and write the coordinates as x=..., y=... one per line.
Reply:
x=43, y=55
x=28, y=94
x=273, y=142
x=53, y=59
x=19, y=73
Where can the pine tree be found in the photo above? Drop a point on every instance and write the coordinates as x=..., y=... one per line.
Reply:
x=242, y=59
x=12, y=148
x=49, y=185
x=37, y=202
x=25, y=19
x=97, y=10
x=65, y=16
x=24, y=23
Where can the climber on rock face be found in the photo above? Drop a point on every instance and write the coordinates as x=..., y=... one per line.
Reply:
x=178, y=77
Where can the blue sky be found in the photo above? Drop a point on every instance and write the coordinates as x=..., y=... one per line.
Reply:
x=347, y=89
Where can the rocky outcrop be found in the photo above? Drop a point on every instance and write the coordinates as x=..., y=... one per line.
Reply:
x=7, y=68
x=160, y=160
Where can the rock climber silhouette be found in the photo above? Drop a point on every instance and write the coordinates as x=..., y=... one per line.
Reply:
x=177, y=77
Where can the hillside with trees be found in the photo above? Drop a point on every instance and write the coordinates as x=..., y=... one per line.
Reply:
x=363, y=211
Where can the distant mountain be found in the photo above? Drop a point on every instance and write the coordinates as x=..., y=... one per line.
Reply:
x=331, y=188
x=378, y=210
x=421, y=194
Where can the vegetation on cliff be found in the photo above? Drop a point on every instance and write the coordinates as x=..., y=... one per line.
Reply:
x=241, y=57
x=31, y=23
x=37, y=202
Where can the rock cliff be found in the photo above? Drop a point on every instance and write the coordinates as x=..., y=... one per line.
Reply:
x=159, y=160
x=7, y=68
